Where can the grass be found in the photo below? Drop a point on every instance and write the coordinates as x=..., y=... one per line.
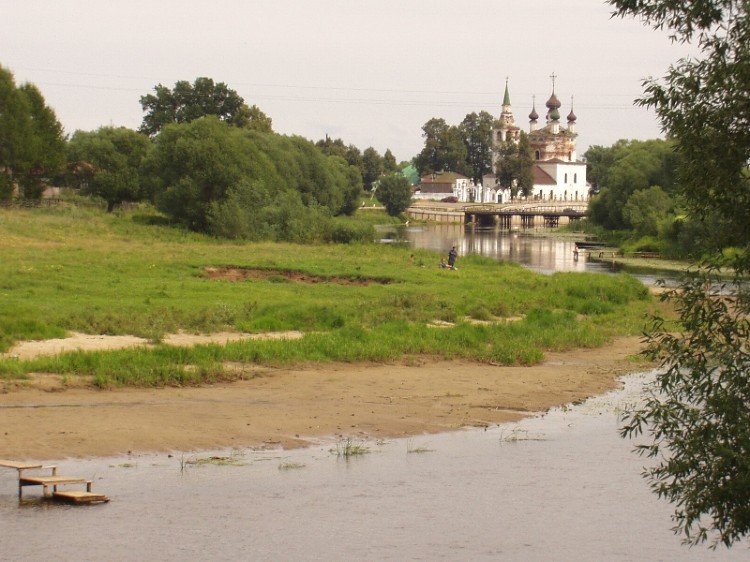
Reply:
x=83, y=270
x=348, y=448
x=291, y=465
x=417, y=449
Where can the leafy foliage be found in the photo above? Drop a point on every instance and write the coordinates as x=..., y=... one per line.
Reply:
x=186, y=102
x=698, y=414
x=245, y=184
x=623, y=169
x=476, y=130
x=394, y=192
x=514, y=166
x=106, y=163
x=444, y=149
x=32, y=144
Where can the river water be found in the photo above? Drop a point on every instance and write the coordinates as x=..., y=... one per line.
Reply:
x=534, y=249
x=561, y=486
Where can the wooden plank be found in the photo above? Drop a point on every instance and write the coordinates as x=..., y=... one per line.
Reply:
x=47, y=481
x=51, y=480
x=80, y=497
x=19, y=465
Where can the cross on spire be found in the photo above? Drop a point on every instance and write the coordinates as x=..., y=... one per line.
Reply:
x=553, y=76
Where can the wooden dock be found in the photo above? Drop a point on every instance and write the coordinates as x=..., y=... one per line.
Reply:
x=49, y=483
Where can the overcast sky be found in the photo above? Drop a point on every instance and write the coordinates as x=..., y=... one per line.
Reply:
x=369, y=72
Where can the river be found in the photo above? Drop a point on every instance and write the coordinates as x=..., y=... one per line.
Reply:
x=563, y=486
x=536, y=249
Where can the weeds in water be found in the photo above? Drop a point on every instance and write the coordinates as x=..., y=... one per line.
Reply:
x=518, y=434
x=412, y=448
x=234, y=459
x=347, y=448
x=291, y=465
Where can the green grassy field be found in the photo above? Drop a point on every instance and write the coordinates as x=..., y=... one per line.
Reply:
x=126, y=273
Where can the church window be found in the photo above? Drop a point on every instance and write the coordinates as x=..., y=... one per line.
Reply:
x=575, y=178
x=566, y=178
x=537, y=155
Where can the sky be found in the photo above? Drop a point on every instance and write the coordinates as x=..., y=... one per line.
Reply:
x=369, y=72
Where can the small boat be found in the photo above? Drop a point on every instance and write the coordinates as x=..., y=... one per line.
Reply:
x=590, y=245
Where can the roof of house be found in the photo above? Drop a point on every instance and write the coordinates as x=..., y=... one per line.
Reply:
x=442, y=177
x=436, y=187
x=541, y=177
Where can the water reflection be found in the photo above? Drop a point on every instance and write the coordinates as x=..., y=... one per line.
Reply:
x=533, y=249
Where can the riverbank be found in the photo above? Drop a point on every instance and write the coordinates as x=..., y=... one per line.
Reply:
x=43, y=419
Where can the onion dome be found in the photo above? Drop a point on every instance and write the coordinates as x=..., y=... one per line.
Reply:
x=553, y=102
x=572, y=117
x=554, y=114
x=533, y=116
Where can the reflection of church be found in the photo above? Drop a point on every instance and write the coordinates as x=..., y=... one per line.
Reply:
x=558, y=175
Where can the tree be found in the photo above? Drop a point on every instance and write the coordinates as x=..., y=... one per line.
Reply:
x=444, y=149
x=32, y=144
x=187, y=102
x=390, y=165
x=372, y=166
x=394, y=192
x=107, y=163
x=697, y=415
x=193, y=165
x=646, y=209
x=476, y=130
x=624, y=168
x=514, y=166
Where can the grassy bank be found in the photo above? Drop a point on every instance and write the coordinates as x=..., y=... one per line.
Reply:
x=82, y=270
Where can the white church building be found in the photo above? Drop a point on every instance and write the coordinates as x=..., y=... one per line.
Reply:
x=557, y=173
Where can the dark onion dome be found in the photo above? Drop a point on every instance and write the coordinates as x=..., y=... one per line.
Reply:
x=553, y=102
x=572, y=117
x=533, y=116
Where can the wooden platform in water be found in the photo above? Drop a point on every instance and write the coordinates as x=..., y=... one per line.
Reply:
x=52, y=480
x=79, y=497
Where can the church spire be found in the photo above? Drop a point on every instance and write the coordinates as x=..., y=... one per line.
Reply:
x=507, y=122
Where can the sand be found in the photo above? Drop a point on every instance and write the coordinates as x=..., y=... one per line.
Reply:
x=45, y=419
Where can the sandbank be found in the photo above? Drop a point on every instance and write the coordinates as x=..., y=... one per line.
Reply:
x=44, y=418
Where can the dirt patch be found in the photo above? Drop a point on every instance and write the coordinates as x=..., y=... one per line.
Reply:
x=87, y=342
x=244, y=273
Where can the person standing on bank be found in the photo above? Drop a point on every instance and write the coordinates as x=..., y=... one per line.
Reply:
x=452, y=255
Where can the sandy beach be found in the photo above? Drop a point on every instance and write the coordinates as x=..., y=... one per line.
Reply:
x=46, y=419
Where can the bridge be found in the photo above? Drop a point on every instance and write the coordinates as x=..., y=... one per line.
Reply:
x=524, y=215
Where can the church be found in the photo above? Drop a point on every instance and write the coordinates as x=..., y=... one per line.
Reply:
x=558, y=174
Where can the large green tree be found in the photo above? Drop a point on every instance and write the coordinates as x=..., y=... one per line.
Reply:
x=617, y=172
x=32, y=143
x=196, y=167
x=514, y=166
x=696, y=419
x=187, y=102
x=107, y=163
x=444, y=149
x=394, y=192
x=476, y=130
x=372, y=166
